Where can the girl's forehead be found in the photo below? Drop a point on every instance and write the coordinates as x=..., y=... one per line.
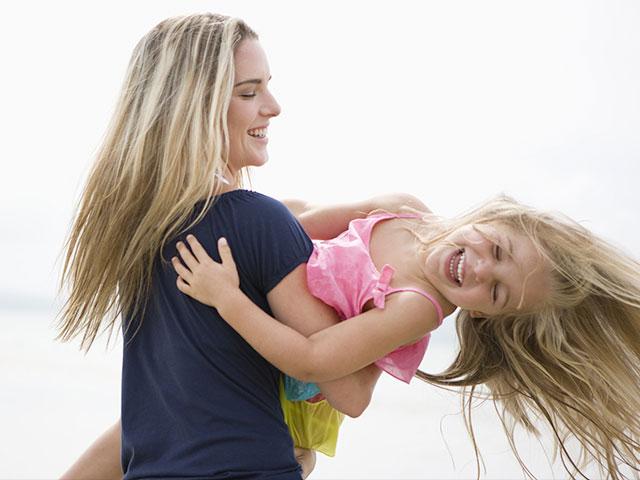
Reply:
x=534, y=272
x=530, y=273
x=496, y=228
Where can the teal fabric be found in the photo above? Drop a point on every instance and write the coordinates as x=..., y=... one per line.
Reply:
x=295, y=390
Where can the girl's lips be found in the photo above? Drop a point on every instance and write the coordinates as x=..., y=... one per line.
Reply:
x=454, y=260
x=447, y=268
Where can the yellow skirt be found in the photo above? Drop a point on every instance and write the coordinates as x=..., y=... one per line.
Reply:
x=313, y=426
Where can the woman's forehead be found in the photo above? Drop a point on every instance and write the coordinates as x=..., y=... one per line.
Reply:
x=250, y=61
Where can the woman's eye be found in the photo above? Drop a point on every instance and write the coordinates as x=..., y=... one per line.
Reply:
x=498, y=252
x=494, y=293
x=247, y=95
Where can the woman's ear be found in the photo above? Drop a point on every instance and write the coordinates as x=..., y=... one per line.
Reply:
x=476, y=314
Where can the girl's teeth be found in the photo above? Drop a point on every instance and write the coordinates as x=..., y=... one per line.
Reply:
x=460, y=263
x=456, y=273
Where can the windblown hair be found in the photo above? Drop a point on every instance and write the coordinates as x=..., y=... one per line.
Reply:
x=165, y=145
x=575, y=362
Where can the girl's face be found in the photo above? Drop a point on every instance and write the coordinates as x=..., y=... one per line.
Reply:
x=489, y=269
x=252, y=106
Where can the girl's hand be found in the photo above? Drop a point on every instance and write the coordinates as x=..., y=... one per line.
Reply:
x=201, y=277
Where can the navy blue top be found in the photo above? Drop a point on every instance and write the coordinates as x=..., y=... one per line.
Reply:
x=197, y=400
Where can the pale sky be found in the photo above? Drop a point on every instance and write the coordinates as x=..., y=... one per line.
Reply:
x=450, y=101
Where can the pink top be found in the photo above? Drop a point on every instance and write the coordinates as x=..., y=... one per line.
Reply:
x=340, y=272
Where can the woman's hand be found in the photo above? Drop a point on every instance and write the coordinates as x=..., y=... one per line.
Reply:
x=202, y=278
x=307, y=460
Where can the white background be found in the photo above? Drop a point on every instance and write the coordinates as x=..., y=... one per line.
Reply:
x=451, y=101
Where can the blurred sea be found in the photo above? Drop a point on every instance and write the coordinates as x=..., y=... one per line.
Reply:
x=55, y=400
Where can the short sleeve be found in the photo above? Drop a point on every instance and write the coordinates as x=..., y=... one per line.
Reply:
x=282, y=246
x=267, y=241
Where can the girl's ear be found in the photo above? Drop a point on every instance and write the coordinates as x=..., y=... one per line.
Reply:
x=476, y=314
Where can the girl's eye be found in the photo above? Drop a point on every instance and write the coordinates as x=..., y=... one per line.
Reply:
x=497, y=252
x=494, y=294
x=247, y=95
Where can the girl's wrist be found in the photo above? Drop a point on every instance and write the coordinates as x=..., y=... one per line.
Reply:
x=234, y=301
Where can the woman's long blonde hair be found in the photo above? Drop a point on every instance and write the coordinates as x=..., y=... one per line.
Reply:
x=575, y=364
x=163, y=152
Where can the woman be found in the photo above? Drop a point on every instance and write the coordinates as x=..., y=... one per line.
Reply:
x=196, y=399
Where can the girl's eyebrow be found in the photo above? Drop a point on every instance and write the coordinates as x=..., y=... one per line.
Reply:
x=506, y=297
x=510, y=250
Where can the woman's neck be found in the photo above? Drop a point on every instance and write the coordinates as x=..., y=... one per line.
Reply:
x=227, y=181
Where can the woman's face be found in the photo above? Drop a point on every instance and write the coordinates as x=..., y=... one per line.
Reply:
x=252, y=106
x=489, y=270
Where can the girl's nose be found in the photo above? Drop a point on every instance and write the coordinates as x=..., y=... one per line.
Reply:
x=482, y=270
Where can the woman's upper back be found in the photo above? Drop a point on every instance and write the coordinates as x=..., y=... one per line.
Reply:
x=197, y=400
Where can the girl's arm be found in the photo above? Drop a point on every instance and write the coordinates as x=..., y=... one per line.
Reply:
x=352, y=394
x=322, y=222
x=326, y=355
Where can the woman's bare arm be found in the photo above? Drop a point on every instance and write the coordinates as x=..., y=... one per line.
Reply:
x=322, y=222
x=101, y=461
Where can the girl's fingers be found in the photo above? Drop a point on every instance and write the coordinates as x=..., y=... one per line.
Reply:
x=187, y=256
x=197, y=249
x=225, y=252
x=182, y=285
x=180, y=269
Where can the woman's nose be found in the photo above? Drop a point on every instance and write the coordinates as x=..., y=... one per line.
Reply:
x=271, y=107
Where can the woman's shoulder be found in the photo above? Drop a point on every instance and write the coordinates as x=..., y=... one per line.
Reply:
x=250, y=203
x=247, y=211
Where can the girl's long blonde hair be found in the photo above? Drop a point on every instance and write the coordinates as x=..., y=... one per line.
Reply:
x=163, y=152
x=575, y=363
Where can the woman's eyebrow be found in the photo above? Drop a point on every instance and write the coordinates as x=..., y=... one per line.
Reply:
x=255, y=81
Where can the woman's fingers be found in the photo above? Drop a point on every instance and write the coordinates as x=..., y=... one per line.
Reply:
x=187, y=256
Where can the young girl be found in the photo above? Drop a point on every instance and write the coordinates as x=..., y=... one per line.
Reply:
x=549, y=319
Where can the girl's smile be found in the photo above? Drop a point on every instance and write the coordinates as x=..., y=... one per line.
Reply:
x=488, y=270
x=456, y=266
